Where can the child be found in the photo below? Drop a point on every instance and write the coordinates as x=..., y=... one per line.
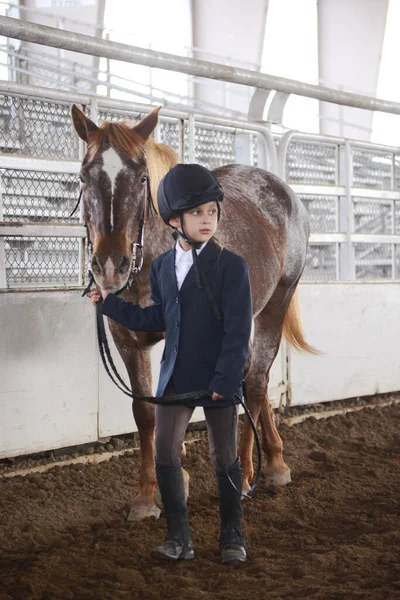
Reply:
x=205, y=310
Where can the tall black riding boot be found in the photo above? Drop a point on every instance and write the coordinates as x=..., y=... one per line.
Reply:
x=177, y=543
x=231, y=541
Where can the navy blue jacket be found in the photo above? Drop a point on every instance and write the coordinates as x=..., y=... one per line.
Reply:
x=200, y=351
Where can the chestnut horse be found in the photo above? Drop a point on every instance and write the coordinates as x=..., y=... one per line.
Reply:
x=262, y=220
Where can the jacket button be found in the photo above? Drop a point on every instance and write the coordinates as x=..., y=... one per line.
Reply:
x=175, y=348
x=177, y=323
x=177, y=300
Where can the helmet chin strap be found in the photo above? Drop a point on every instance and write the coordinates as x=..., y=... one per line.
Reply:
x=183, y=235
x=201, y=280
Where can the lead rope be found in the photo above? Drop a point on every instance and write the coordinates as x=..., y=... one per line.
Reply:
x=178, y=399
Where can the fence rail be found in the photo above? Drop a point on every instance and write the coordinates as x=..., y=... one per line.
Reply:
x=350, y=189
x=85, y=44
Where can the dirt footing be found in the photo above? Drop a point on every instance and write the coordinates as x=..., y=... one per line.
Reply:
x=332, y=534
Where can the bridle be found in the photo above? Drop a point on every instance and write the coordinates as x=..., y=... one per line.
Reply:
x=149, y=209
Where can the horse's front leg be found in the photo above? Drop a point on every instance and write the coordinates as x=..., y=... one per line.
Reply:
x=135, y=352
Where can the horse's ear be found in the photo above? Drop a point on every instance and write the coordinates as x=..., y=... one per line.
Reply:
x=84, y=126
x=147, y=125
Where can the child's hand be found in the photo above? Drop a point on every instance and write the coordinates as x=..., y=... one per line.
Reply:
x=95, y=297
x=216, y=396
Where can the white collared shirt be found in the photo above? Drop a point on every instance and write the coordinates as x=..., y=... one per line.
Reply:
x=183, y=262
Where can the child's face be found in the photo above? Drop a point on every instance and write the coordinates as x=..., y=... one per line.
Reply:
x=200, y=223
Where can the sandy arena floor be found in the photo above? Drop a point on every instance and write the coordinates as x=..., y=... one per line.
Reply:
x=333, y=534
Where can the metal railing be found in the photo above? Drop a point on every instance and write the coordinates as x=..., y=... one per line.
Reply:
x=85, y=44
x=351, y=190
x=63, y=73
x=40, y=245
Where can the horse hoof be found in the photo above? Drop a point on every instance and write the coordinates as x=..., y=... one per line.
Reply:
x=139, y=512
x=277, y=479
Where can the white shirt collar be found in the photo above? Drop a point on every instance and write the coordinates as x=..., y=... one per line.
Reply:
x=183, y=255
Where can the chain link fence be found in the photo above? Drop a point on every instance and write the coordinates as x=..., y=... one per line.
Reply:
x=323, y=212
x=372, y=170
x=372, y=216
x=39, y=197
x=36, y=128
x=214, y=148
x=373, y=261
x=42, y=129
x=310, y=164
x=321, y=263
x=42, y=261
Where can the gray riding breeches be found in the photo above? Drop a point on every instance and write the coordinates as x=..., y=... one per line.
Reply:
x=222, y=426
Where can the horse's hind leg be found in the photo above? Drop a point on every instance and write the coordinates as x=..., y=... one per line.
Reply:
x=268, y=333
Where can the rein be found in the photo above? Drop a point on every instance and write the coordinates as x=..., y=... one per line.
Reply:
x=187, y=399
x=105, y=353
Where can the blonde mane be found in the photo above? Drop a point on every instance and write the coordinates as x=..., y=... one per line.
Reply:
x=160, y=158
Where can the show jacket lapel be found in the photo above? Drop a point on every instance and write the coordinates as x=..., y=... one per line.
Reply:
x=170, y=273
x=207, y=258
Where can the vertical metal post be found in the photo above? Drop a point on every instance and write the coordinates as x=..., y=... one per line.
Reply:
x=262, y=154
x=243, y=148
x=347, y=268
x=181, y=140
x=393, y=207
x=286, y=362
x=3, y=279
x=82, y=245
x=108, y=72
x=157, y=133
x=150, y=78
x=192, y=139
x=337, y=210
x=94, y=110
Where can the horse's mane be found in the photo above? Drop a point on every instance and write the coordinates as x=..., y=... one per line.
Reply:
x=160, y=158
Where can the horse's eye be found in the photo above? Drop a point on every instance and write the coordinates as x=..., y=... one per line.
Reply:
x=82, y=179
x=143, y=179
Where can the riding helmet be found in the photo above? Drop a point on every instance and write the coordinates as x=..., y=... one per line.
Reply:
x=185, y=187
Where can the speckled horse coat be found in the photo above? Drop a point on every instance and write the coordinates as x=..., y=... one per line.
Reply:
x=262, y=220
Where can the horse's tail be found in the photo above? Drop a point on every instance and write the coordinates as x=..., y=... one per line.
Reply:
x=293, y=329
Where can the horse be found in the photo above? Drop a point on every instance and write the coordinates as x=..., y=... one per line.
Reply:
x=262, y=220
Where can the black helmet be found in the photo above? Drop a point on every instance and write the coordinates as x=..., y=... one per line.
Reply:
x=185, y=187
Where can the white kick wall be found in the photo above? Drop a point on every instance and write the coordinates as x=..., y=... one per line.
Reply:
x=54, y=393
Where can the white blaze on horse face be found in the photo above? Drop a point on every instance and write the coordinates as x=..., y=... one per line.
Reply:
x=112, y=165
x=109, y=270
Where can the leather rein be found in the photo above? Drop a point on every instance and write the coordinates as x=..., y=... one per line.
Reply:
x=104, y=348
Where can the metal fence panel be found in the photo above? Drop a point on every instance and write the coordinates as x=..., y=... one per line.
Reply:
x=214, y=148
x=372, y=169
x=42, y=261
x=372, y=216
x=373, y=261
x=36, y=127
x=311, y=162
x=323, y=212
x=321, y=263
x=38, y=196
